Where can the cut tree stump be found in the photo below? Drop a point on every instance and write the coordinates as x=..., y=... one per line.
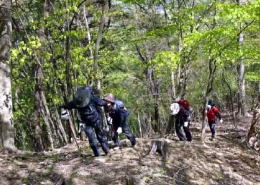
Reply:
x=160, y=146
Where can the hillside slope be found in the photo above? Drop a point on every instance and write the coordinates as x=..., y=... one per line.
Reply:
x=222, y=161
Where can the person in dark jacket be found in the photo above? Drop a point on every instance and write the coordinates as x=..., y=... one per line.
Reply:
x=182, y=120
x=212, y=113
x=117, y=111
x=87, y=105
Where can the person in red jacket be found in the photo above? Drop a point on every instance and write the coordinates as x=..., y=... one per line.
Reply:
x=212, y=113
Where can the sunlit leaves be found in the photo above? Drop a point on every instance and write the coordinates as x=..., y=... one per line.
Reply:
x=165, y=60
x=253, y=76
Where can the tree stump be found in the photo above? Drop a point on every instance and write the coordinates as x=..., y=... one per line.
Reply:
x=160, y=146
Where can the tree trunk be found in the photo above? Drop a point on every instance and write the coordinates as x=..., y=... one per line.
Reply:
x=173, y=89
x=105, y=8
x=241, y=76
x=6, y=127
x=88, y=31
x=258, y=94
x=230, y=100
x=147, y=124
x=153, y=87
x=37, y=132
x=150, y=87
x=61, y=128
x=41, y=103
x=212, y=70
x=140, y=125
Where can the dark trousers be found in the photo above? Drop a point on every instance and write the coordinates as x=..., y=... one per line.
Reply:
x=212, y=126
x=126, y=131
x=179, y=123
x=96, y=134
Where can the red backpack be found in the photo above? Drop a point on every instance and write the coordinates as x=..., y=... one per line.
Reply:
x=184, y=103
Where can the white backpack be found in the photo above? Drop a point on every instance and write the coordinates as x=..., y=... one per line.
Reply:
x=175, y=108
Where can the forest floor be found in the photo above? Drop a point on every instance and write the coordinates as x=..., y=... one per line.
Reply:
x=226, y=160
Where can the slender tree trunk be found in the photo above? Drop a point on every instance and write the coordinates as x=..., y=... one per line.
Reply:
x=150, y=86
x=153, y=88
x=230, y=100
x=258, y=94
x=241, y=89
x=173, y=89
x=212, y=70
x=61, y=128
x=68, y=89
x=147, y=125
x=88, y=31
x=6, y=126
x=41, y=103
x=103, y=20
x=140, y=125
x=241, y=76
x=37, y=132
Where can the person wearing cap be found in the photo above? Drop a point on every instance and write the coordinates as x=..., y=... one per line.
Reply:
x=86, y=103
x=117, y=111
x=212, y=113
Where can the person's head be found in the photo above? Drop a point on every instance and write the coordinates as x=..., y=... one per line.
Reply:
x=208, y=107
x=110, y=100
x=211, y=103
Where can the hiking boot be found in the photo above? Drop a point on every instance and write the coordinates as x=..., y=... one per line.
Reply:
x=133, y=142
x=108, y=154
x=95, y=151
x=212, y=138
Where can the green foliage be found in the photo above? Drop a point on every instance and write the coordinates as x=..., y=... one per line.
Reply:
x=253, y=76
x=182, y=38
x=165, y=62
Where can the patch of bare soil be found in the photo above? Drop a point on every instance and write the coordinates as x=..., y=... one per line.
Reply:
x=161, y=161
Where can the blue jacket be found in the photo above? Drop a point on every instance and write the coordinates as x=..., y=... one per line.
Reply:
x=118, y=113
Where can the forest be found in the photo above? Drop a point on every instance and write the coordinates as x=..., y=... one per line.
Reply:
x=147, y=53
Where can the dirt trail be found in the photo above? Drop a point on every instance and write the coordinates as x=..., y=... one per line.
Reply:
x=223, y=161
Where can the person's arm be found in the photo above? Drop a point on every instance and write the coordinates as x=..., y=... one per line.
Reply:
x=98, y=101
x=69, y=106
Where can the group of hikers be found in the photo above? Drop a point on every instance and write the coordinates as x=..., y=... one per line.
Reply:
x=89, y=107
x=182, y=115
x=90, y=111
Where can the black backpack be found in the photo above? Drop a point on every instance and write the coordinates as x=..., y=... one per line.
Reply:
x=83, y=96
